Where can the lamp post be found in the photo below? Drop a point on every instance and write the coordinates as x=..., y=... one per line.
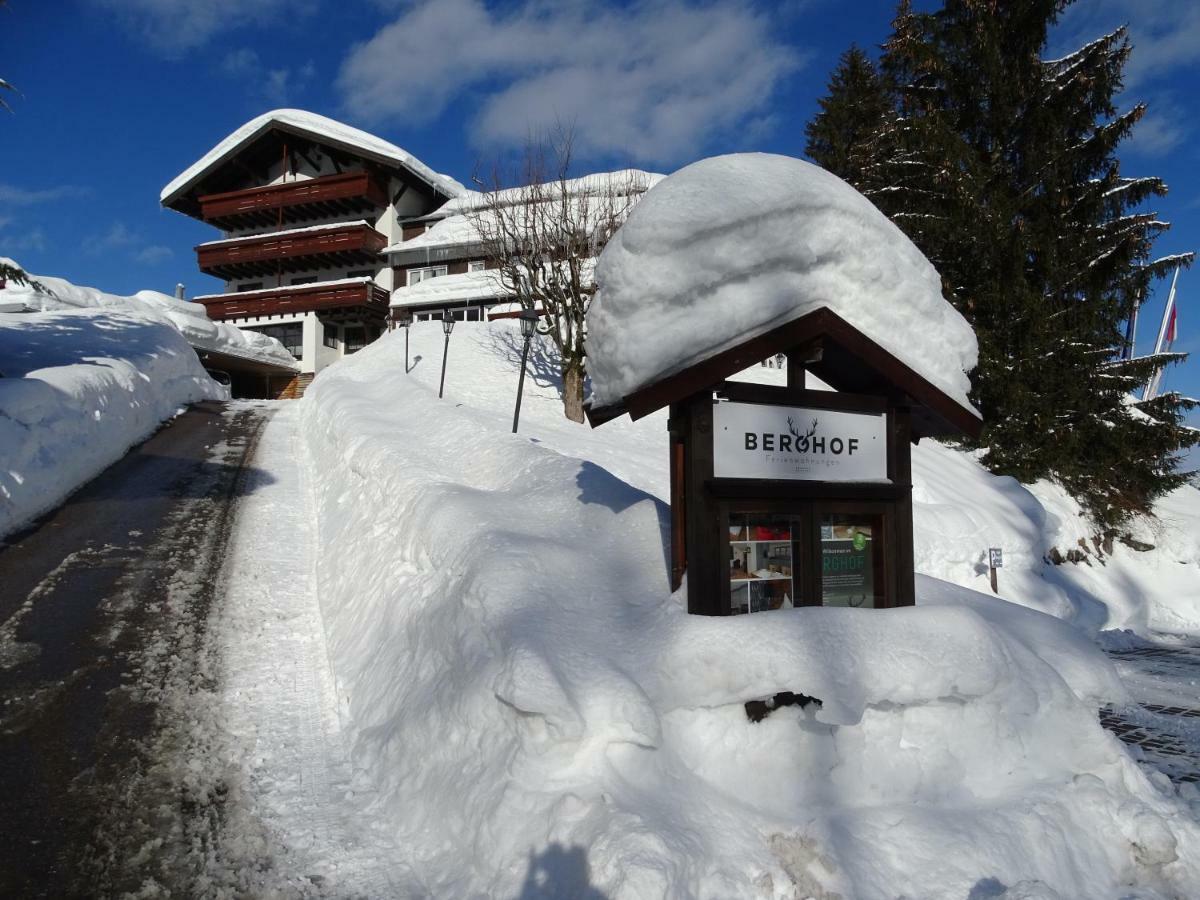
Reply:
x=447, y=327
x=405, y=323
x=529, y=320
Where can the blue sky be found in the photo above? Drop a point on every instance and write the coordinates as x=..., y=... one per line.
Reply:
x=118, y=96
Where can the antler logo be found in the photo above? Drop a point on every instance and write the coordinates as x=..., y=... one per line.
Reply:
x=802, y=440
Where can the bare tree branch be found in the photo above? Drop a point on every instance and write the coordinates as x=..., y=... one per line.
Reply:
x=544, y=237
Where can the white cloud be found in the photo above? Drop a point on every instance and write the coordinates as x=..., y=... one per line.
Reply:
x=1165, y=34
x=34, y=239
x=1159, y=132
x=275, y=87
x=11, y=195
x=175, y=26
x=117, y=237
x=121, y=240
x=653, y=82
x=155, y=253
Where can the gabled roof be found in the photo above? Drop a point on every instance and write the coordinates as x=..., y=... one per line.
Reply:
x=840, y=355
x=319, y=129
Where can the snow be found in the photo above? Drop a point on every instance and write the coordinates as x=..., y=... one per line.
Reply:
x=597, y=182
x=320, y=128
x=733, y=246
x=189, y=318
x=81, y=387
x=452, y=231
x=455, y=226
x=283, y=289
x=87, y=375
x=479, y=285
x=531, y=712
x=288, y=232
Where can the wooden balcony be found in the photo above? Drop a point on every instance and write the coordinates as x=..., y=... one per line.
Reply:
x=360, y=299
x=294, y=201
x=347, y=245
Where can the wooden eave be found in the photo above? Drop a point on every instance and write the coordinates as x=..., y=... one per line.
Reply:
x=364, y=298
x=841, y=356
x=350, y=245
x=245, y=167
x=295, y=201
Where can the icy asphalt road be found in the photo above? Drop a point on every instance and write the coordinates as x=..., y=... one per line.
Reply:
x=103, y=608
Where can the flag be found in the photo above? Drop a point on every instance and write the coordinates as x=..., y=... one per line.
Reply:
x=1171, y=326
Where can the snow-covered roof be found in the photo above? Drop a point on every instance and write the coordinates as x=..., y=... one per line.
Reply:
x=258, y=236
x=457, y=230
x=636, y=180
x=735, y=246
x=480, y=285
x=321, y=129
x=453, y=224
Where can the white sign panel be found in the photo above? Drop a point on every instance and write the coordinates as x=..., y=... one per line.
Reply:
x=752, y=440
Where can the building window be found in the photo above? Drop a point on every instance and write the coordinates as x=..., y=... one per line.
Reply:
x=305, y=279
x=331, y=336
x=361, y=273
x=476, y=265
x=290, y=335
x=356, y=338
x=250, y=286
x=415, y=276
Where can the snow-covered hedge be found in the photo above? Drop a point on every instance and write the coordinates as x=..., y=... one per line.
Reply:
x=534, y=706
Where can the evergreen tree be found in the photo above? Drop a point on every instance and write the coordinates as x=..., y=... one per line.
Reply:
x=1001, y=166
x=857, y=107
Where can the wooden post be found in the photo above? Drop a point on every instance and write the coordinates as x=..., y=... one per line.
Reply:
x=678, y=424
x=995, y=587
x=705, y=594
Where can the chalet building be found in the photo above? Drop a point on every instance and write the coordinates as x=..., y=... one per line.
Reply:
x=305, y=205
x=330, y=234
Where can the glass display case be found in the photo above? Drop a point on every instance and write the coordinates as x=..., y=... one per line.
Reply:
x=761, y=550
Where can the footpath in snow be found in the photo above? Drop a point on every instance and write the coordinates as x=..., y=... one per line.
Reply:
x=296, y=820
x=522, y=706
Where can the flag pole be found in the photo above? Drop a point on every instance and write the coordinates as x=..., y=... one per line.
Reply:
x=1152, y=386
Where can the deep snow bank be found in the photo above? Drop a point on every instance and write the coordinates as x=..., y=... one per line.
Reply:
x=81, y=388
x=733, y=246
x=189, y=319
x=534, y=707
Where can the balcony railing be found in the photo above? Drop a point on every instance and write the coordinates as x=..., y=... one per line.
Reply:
x=364, y=298
x=269, y=254
x=294, y=201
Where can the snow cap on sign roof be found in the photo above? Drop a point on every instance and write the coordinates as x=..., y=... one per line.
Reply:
x=734, y=246
x=320, y=128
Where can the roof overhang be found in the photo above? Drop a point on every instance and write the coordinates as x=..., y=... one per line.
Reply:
x=177, y=198
x=836, y=352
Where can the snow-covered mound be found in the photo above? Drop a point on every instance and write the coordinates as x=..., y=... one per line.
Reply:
x=538, y=715
x=733, y=246
x=189, y=319
x=81, y=387
x=88, y=375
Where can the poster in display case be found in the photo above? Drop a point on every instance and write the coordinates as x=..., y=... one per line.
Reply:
x=760, y=564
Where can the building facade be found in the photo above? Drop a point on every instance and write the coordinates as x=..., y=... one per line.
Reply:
x=330, y=235
x=306, y=205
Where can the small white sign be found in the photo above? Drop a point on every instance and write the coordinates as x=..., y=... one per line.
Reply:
x=995, y=558
x=753, y=440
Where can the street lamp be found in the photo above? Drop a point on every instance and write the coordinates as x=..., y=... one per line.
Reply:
x=529, y=320
x=447, y=327
x=405, y=323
